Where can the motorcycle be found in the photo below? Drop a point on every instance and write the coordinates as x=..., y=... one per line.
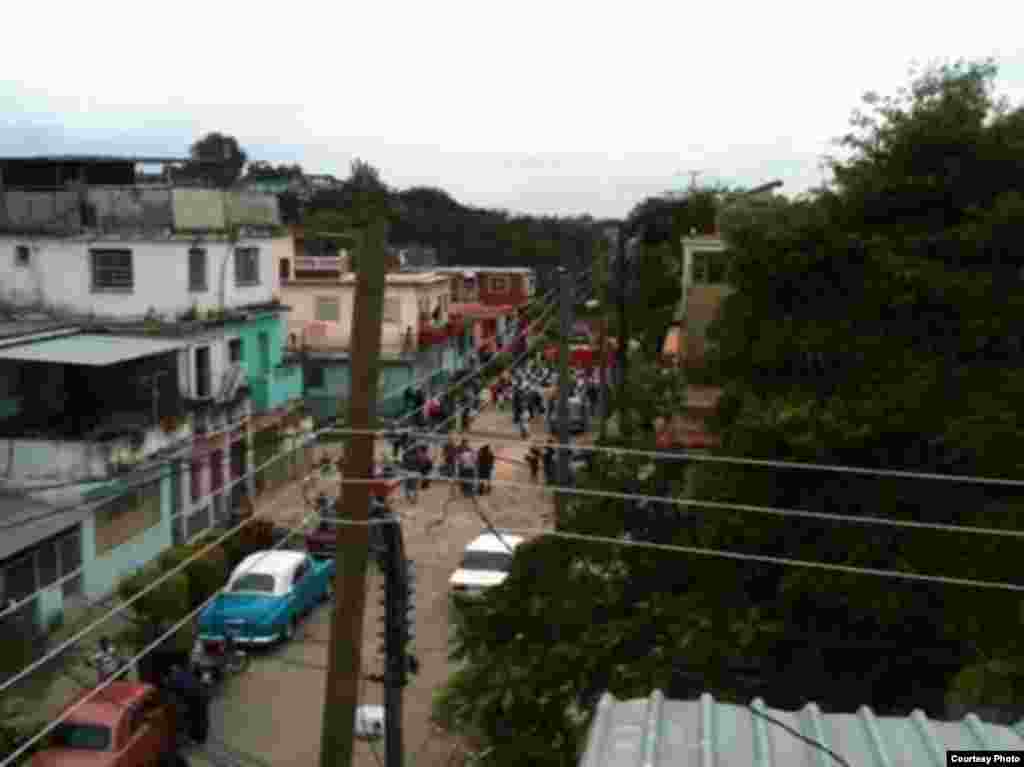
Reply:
x=212, y=660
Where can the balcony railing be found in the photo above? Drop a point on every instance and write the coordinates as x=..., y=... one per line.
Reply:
x=133, y=208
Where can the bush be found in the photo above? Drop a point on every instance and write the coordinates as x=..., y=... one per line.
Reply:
x=205, y=575
x=165, y=605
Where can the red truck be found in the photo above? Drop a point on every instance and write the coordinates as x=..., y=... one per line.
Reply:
x=127, y=724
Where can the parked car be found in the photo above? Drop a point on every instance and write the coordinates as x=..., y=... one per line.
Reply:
x=485, y=563
x=126, y=724
x=322, y=542
x=266, y=596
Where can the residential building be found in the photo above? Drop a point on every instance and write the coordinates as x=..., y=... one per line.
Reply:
x=656, y=731
x=704, y=287
x=489, y=285
x=419, y=340
x=146, y=346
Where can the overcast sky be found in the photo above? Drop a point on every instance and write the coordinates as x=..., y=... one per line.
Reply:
x=548, y=108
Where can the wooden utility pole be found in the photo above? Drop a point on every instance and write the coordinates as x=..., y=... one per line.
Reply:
x=344, y=658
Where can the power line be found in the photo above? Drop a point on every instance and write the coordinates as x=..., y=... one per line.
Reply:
x=129, y=488
x=736, y=555
x=838, y=468
x=729, y=506
x=128, y=602
x=78, y=571
x=128, y=663
x=399, y=390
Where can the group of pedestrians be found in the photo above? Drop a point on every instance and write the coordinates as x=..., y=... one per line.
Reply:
x=474, y=468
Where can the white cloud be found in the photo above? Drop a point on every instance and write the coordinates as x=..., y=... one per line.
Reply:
x=543, y=107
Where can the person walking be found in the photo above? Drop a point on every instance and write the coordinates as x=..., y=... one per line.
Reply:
x=549, y=462
x=451, y=457
x=106, y=660
x=467, y=468
x=183, y=683
x=533, y=461
x=411, y=467
x=485, y=465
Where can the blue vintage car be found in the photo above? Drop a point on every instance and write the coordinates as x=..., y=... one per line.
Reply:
x=266, y=596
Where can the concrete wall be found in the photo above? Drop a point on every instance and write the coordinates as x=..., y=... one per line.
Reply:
x=101, y=573
x=337, y=335
x=59, y=275
x=200, y=209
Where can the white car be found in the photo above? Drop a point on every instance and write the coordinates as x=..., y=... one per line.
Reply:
x=485, y=563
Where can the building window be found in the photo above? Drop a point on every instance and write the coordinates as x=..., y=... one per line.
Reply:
x=126, y=516
x=196, y=480
x=499, y=284
x=112, y=271
x=235, y=350
x=315, y=378
x=22, y=255
x=217, y=471
x=327, y=309
x=197, y=270
x=393, y=310
x=284, y=268
x=247, y=266
x=203, y=372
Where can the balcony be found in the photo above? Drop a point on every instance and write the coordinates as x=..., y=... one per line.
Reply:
x=133, y=209
x=45, y=459
x=432, y=335
x=281, y=385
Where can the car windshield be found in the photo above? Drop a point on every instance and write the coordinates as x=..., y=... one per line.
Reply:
x=254, y=582
x=91, y=737
x=500, y=561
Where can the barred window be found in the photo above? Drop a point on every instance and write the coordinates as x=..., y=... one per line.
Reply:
x=112, y=270
x=197, y=270
x=247, y=266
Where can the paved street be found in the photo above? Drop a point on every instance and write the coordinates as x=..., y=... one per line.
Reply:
x=272, y=714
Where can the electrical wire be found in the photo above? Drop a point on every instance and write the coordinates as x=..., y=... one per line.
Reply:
x=721, y=553
x=400, y=390
x=799, y=735
x=124, y=605
x=129, y=488
x=709, y=458
x=729, y=506
x=129, y=663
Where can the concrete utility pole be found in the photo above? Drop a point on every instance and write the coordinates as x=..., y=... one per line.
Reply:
x=565, y=330
x=344, y=659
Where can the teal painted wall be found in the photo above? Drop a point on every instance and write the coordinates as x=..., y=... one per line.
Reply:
x=324, y=401
x=49, y=604
x=100, y=574
x=271, y=385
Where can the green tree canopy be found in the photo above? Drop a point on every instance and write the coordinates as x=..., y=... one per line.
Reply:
x=216, y=159
x=851, y=338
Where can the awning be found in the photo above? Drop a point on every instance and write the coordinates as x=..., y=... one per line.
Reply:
x=90, y=349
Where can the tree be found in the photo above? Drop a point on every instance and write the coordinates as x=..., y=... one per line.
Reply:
x=846, y=341
x=216, y=160
x=860, y=333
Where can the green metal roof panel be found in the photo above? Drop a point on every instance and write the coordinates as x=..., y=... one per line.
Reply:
x=655, y=732
x=89, y=349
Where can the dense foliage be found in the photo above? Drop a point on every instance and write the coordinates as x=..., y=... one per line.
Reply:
x=862, y=331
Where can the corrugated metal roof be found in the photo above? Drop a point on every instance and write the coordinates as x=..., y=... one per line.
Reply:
x=96, y=159
x=28, y=520
x=656, y=732
x=89, y=349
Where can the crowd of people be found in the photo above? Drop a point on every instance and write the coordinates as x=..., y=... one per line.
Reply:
x=528, y=392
